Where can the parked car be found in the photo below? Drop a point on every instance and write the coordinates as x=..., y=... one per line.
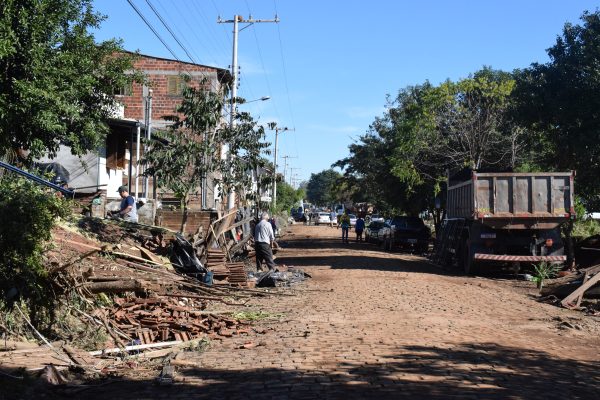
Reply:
x=376, y=218
x=372, y=231
x=321, y=218
x=587, y=252
x=406, y=232
x=298, y=214
x=352, y=219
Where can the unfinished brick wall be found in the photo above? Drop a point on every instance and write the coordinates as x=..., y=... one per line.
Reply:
x=163, y=77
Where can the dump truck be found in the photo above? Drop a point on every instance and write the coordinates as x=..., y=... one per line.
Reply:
x=505, y=218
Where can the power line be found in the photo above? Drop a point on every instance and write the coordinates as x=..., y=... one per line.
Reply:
x=171, y=32
x=212, y=82
x=183, y=37
x=287, y=89
x=153, y=30
x=270, y=92
x=219, y=44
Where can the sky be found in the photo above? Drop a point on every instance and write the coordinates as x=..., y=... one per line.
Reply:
x=328, y=66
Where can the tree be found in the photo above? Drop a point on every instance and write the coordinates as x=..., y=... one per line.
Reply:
x=559, y=102
x=182, y=156
x=322, y=187
x=56, y=82
x=25, y=235
x=287, y=196
x=400, y=163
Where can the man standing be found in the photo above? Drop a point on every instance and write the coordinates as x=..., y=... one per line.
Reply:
x=128, y=209
x=263, y=239
x=345, y=224
x=359, y=227
x=332, y=218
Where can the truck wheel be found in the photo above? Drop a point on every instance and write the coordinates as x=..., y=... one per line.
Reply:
x=469, y=265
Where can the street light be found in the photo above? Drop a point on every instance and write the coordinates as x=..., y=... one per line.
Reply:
x=264, y=98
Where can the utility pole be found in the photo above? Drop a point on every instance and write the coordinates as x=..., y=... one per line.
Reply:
x=237, y=19
x=276, y=129
x=292, y=175
x=285, y=166
x=146, y=188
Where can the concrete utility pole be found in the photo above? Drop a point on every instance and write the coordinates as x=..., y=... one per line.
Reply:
x=146, y=188
x=285, y=166
x=276, y=129
x=237, y=19
x=292, y=175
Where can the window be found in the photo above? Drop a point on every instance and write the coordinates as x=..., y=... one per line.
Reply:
x=125, y=90
x=175, y=85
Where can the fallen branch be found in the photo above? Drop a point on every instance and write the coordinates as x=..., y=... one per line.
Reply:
x=135, y=347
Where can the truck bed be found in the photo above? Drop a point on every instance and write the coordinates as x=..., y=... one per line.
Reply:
x=513, y=200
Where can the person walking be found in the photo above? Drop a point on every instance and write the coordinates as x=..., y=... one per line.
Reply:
x=345, y=224
x=263, y=240
x=359, y=227
x=332, y=218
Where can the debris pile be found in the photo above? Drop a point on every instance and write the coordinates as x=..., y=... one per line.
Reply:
x=147, y=288
x=165, y=319
x=571, y=290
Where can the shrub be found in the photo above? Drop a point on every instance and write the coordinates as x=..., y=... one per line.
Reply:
x=28, y=213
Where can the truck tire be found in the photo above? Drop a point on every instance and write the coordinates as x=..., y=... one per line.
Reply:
x=468, y=263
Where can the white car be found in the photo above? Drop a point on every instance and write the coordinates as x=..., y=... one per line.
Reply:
x=321, y=218
x=376, y=218
x=352, y=219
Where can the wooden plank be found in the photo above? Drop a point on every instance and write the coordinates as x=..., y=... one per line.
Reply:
x=567, y=301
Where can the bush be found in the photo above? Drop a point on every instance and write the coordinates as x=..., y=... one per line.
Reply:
x=28, y=213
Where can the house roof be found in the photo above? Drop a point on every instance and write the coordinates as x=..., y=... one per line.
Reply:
x=223, y=74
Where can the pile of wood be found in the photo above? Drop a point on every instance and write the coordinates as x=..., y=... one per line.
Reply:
x=152, y=302
x=232, y=273
x=572, y=289
x=166, y=318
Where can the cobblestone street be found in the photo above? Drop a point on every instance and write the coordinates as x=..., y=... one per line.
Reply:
x=387, y=325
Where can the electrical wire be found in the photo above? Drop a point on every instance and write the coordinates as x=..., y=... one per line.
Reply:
x=171, y=32
x=153, y=30
x=149, y=25
x=287, y=89
x=179, y=32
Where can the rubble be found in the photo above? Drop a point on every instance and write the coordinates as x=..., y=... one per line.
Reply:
x=569, y=291
x=156, y=293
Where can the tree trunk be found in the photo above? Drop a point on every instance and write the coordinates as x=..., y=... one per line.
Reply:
x=184, y=219
x=114, y=286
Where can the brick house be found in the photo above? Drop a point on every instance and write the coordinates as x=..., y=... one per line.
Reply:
x=116, y=163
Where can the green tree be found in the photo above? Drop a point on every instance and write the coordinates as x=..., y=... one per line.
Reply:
x=180, y=157
x=287, y=196
x=56, y=82
x=322, y=187
x=25, y=232
x=559, y=102
x=399, y=164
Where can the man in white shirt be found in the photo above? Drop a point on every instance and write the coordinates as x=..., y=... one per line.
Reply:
x=263, y=239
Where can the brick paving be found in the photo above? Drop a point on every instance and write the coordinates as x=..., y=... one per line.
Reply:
x=379, y=325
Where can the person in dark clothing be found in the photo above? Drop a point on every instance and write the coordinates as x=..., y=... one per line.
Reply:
x=359, y=227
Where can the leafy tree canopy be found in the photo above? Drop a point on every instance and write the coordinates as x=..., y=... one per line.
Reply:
x=187, y=152
x=56, y=82
x=322, y=187
x=559, y=102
